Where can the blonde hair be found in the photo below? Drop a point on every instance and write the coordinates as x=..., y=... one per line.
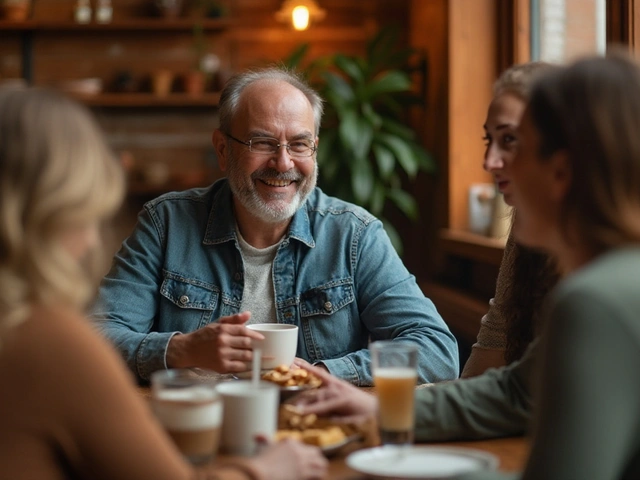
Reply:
x=56, y=173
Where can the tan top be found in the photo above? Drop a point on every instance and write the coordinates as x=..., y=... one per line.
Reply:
x=491, y=344
x=69, y=409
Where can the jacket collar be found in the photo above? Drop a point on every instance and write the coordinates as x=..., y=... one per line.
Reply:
x=221, y=224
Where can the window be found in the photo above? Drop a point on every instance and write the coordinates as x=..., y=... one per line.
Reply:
x=562, y=30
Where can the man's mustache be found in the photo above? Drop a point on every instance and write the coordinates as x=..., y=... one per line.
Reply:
x=292, y=175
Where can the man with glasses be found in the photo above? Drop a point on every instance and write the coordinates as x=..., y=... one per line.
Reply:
x=265, y=245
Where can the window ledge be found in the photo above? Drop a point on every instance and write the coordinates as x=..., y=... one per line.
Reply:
x=472, y=246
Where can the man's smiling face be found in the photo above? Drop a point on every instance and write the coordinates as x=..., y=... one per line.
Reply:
x=271, y=187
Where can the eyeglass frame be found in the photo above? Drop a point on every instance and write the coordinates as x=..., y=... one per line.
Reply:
x=314, y=147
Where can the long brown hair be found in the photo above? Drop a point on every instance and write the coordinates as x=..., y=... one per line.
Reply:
x=532, y=273
x=533, y=276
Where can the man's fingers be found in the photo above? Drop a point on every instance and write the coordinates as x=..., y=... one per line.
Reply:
x=237, y=319
x=237, y=330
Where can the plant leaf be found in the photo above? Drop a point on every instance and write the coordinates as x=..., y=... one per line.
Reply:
x=376, y=203
x=392, y=81
x=425, y=160
x=372, y=116
x=294, y=60
x=339, y=89
x=397, y=128
x=385, y=160
x=405, y=202
x=355, y=134
x=349, y=66
x=362, y=181
x=327, y=147
x=402, y=151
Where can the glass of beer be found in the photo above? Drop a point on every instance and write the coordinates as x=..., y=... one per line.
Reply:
x=393, y=364
x=189, y=407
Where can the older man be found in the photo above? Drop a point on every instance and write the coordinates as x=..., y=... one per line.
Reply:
x=265, y=245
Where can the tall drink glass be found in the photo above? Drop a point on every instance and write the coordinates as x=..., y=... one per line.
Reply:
x=394, y=366
x=189, y=407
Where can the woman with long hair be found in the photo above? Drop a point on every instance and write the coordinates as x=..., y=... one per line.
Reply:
x=526, y=275
x=69, y=408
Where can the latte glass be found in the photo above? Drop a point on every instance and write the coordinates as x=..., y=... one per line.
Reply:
x=189, y=407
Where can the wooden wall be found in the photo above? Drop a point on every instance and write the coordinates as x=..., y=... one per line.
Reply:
x=174, y=142
x=168, y=147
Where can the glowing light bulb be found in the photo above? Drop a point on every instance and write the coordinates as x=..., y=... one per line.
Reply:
x=300, y=17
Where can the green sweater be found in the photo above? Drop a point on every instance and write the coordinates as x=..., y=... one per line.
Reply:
x=587, y=415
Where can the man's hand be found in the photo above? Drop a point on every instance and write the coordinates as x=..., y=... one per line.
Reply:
x=224, y=346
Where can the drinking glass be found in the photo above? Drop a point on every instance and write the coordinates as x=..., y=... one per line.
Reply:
x=189, y=408
x=394, y=364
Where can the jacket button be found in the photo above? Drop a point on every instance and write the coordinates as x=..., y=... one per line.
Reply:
x=327, y=306
x=183, y=300
x=237, y=276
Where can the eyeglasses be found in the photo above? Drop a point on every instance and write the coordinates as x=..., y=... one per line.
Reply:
x=269, y=146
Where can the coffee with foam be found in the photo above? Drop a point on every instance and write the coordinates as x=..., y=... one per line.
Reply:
x=192, y=416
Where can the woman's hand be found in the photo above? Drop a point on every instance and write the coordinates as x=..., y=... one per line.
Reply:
x=290, y=460
x=337, y=399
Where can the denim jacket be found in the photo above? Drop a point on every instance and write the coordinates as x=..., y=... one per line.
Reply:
x=336, y=275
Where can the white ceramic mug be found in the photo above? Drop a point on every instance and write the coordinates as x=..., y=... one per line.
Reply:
x=279, y=345
x=248, y=411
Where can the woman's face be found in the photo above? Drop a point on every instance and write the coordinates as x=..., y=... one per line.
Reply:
x=538, y=186
x=503, y=117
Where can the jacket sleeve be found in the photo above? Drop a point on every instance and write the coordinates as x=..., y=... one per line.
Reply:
x=497, y=403
x=392, y=306
x=127, y=301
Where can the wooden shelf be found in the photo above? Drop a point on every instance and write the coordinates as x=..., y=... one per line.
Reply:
x=145, y=24
x=149, y=100
x=472, y=246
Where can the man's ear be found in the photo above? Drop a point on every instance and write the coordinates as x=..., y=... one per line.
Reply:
x=562, y=174
x=220, y=144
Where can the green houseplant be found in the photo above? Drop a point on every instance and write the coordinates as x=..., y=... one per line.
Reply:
x=366, y=149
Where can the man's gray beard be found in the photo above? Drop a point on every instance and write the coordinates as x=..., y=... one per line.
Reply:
x=244, y=190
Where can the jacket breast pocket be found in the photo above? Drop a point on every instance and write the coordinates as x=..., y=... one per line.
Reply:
x=191, y=303
x=328, y=312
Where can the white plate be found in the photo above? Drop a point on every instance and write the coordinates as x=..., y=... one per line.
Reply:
x=423, y=462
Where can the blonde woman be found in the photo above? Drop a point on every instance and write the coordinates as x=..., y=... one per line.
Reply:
x=68, y=408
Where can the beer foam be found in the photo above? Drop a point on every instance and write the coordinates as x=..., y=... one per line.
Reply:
x=395, y=372
x=195, y=408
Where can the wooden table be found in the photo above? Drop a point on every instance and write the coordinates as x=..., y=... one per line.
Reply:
x=512, y=453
